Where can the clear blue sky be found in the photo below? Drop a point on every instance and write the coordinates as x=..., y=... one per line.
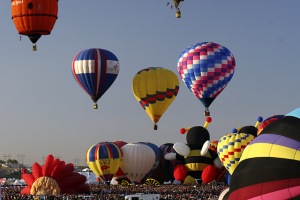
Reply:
x=44, y=111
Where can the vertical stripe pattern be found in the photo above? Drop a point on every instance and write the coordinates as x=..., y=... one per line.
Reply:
x=104, y=159
x=95, y=70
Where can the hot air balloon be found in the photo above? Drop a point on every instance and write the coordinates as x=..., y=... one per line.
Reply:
x=138, y=160
x=156, y=150
x=120, y=176
x=176, y=4
x=34, y=18
x=150, y=177
x=120, y=143
x=213, y=145
x=168, y=166
x=95, y=70
x=231, y=147
x=222, y=172
x=267, y=121
x=54, y=177
x=269, y=166
x=196, y=154
x=104, y=159
x=206, y=68
x=155, y=88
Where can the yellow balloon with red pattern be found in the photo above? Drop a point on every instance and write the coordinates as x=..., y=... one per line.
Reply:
x=155, y=88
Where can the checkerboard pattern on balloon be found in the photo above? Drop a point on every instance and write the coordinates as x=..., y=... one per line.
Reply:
x=231, y=147
x=206, y=68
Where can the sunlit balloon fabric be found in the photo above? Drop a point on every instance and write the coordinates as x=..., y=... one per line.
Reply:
x=138, y=160
x=155, y=88
x=95, y=70
x=230, y=148
x=34, y=18
x=206, y=68
x=104, y=159
x=269, y=166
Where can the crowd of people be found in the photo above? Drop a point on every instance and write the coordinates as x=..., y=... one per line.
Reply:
x=115, y=192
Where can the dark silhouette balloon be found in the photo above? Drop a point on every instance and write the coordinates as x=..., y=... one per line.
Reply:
x=269, y=166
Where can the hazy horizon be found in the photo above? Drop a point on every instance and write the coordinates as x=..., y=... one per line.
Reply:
x=44, y=111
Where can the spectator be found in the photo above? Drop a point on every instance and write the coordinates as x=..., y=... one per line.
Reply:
x=115, y=192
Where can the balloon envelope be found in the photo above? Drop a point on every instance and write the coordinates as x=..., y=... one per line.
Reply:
x=180, y=172
x=156, y=150
x=52, y=178
x=206, y=68
x=138, y=160
x=155, y=88
x=231, y=147
x=34, y=18
x=209, y=173
x=119, y=174
x=267, y=121
x=269, y=166
x=168, y=166
x=95, y=70
x=176, y=4
x=104, y=159
x=214, y=145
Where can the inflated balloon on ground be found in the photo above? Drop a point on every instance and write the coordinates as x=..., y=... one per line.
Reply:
x=54, y=177
x=269, y=166
x=104, y=159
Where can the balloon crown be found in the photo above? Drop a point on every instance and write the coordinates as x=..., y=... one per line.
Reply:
x=207, y=122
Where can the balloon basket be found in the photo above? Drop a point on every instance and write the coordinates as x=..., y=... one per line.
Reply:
x=206, y=113
x=95, y=106
x=34, y=47
x=178, y=14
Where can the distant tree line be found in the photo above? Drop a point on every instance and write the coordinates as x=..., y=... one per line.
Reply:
x=9, y=172
x=10, y=161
